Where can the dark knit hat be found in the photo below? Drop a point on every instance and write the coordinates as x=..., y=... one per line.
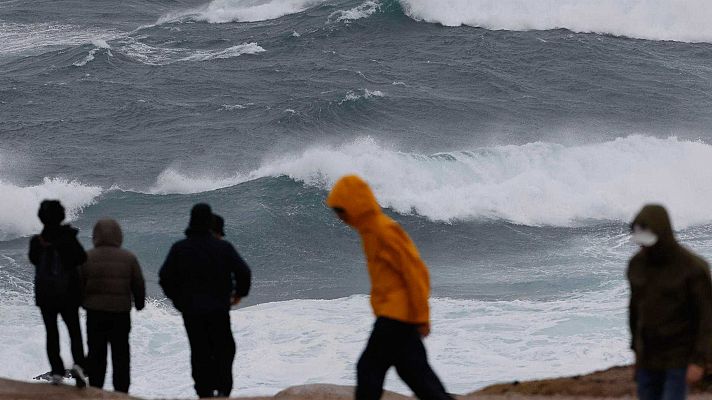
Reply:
x=51, y=212
x=201, y=218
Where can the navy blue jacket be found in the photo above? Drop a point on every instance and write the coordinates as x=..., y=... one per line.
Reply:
x=201, y=273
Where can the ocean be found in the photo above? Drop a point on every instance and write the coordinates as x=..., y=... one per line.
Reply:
x=514, y=140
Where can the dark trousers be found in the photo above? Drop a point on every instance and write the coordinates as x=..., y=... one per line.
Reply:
x=398, y=344
x=212, y=352
x=103, y=329
x=668, y=384
x=70, y=315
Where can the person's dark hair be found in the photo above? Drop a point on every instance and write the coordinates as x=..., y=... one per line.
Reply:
x=201, y=218
x=218, y=225
x=51, y=212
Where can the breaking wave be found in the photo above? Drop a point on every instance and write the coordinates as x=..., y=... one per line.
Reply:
x=222, y=11
x=678, y=20
x=533, y=184
x=19, y=215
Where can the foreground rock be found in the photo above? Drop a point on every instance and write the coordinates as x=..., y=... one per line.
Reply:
x=613, y=383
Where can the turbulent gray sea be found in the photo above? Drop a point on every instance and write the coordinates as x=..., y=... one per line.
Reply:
x=513, y=139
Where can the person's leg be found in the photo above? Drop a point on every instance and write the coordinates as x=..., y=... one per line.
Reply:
x=121, y=351
x=650, y=384
x=374, y=362
x=97, y=342
x=412, y=366
x=223, y=352
x=675, y=387
x=70, y=315
x=49, y=317
x=200, y=354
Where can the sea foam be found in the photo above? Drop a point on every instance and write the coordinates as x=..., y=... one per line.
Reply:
x=473, y=343
x=221, y=11
x=18, y=38
x=156, y=55
x=679, y=20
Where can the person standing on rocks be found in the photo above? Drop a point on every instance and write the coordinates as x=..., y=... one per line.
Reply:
x=670, y=309
x=400, y=287
x=204, y=276
x=57, y=254
x=111, y=280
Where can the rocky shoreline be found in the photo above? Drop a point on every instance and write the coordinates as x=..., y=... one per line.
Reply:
x=612, y=383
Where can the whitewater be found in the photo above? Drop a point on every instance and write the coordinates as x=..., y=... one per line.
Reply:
x=679, y=20
x=534, y=184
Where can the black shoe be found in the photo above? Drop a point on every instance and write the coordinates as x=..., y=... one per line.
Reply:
x=79, y=376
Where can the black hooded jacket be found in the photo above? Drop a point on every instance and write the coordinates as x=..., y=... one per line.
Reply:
x=72, y=255
x=201, y=273
x=671, y=299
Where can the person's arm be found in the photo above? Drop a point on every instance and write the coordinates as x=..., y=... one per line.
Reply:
x=35, y=250
x=168, y=276
x=701, y=295
x=242, y=275
x=400, y=252
x=138, y=285
x=632, y=313
x=77, y=253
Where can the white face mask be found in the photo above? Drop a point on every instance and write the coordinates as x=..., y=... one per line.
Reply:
x=643, y=237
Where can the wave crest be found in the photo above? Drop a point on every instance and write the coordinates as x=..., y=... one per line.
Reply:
x=19, y=215
x=223, y=11
x=533, y=184
x=678, y=20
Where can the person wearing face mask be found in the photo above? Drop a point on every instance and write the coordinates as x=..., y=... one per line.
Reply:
x=670, y=310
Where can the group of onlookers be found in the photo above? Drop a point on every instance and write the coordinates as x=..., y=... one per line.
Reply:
x=204, y=276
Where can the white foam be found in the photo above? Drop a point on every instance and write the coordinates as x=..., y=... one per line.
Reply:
x=98, y=45
x=18, y=38
x=154, y=55
x=534, y=184
x=222, y=11
x=171, y=181
x=364, y=10
x=20, y=204
x=679, y=20
x=234, y=51
x=474, y=343
x=365, y=94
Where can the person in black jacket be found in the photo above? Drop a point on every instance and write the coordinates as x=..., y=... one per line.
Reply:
x=57, y=254
x=203, y=277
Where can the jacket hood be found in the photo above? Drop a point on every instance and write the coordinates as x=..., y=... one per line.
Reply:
x=107, y=232
x=354, y=196
x=656, y=218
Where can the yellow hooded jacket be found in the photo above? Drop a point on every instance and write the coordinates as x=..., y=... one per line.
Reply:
x=400, y=284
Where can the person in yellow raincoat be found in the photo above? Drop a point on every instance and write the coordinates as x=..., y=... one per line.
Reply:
x=400, y=287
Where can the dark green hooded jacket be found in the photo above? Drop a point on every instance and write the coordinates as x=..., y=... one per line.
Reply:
x=671, y=299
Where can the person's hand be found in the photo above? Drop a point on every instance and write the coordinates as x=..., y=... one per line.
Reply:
x=695, y=373
x=635, y=372
x=424, y=329
x=234, y=301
